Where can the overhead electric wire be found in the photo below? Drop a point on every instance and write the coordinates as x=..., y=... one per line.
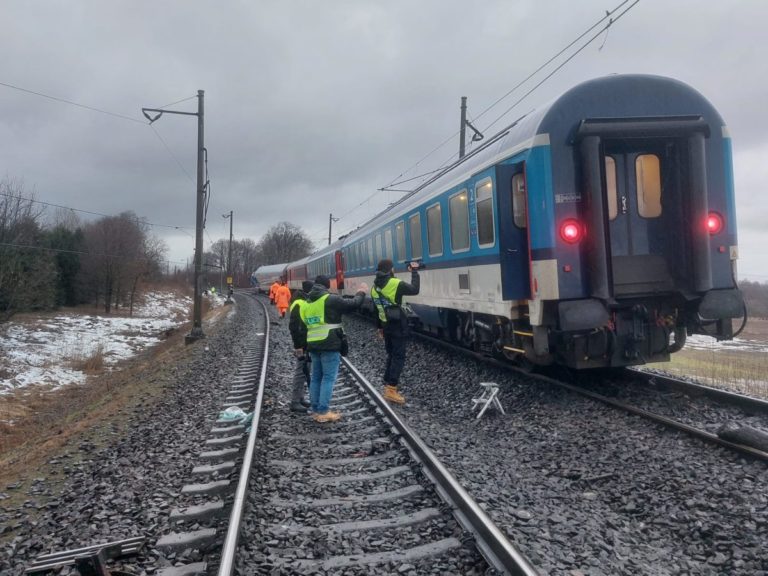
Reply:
x=99, y=254
x=108, y=113
x=172, y=154
x=553, y=58
x=608, y=14
x=571, y=57
x=65, y=101
x=137, y=219
x=178, y=101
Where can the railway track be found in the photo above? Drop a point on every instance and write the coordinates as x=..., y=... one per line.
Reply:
x=210, y=509
x=361, y=495
x=580, y=486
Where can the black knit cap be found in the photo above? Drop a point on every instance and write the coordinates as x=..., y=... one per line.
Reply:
x=385, y=265
x=306, y=286
x=323, y=281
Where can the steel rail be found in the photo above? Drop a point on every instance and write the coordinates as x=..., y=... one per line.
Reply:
x=696, y=432
x=733, y=398
x=226, y=564
x=493, y=545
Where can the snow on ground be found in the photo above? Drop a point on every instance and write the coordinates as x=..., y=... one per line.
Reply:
x=48, y=350
x=702, y=342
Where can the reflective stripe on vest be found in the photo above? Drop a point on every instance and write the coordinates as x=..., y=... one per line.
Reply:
x=385, y=297
x=313, y=316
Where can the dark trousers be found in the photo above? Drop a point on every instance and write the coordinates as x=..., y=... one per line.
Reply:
x=300, y=379
x=394, y=344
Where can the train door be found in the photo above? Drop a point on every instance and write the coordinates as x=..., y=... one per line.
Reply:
x=339, y=257
x=513, y=232
x=643, y=205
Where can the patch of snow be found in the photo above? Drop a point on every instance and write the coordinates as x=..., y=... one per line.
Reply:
x=702, y=342
x=47, y=351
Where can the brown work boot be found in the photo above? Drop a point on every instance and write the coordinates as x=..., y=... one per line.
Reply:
x=391, y=394
x=327, y=417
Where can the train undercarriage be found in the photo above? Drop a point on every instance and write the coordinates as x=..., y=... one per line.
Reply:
x=586, y=334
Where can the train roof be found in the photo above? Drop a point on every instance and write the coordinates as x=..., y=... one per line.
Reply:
x=270, y=269
x=617, y=95
x=324, y=251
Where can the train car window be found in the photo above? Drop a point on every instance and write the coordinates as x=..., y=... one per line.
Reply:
x=458, y=207
x=370, y=252
x=400, y=241
x=378, y=255
x=611, y=191
x=415, y=224
x=519, y=201
x=388, y=243
x=486, y=235
x=648, y=175
x=435, y=230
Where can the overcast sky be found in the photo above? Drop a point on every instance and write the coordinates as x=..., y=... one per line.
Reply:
x=310, y=106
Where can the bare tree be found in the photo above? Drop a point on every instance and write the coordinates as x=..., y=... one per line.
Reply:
x=115, y=247
x=284, y=242
x=22, y=264
x=153, y=252
x=245, y=254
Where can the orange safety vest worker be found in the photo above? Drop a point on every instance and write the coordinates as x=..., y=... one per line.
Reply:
x=282, y=298
x=273, y=291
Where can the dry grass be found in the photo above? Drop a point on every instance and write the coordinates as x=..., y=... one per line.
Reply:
x=92, y=364
x=36, y=422
x=745, y=373
x=740, y=371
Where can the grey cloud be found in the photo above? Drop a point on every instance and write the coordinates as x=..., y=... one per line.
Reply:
x=323, y=101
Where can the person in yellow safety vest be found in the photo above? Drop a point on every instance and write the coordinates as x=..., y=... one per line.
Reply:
x=326, y=342
x=299, y=336
x=273, y=291
x=387, y=293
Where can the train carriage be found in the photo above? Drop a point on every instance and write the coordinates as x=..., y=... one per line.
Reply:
x=264, y=276
x=595, y=231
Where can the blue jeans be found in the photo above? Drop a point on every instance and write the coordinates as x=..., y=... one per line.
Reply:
x=325, y=368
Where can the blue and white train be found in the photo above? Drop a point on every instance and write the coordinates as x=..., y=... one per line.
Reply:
x=596, y=231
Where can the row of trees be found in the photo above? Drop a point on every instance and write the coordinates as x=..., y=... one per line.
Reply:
x=756, y=298
x=44, y=265
x=48, y=262
x=283, y=242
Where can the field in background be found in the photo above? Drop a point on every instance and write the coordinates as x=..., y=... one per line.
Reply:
x=740, y=365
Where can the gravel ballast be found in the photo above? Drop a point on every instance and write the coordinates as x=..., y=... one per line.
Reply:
x=300, y=461
x=122, y=480
x=579, y=487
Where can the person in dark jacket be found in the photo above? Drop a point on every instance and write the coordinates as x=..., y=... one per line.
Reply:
x=392, y=321
x=321, y=315
x=299, y=336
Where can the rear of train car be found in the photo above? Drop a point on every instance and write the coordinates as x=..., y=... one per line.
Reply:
x=631, y=227
x=596, y=231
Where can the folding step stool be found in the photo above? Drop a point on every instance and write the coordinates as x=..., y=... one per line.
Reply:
x=487, y=398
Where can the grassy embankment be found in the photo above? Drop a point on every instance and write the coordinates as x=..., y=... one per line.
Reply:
x=742, y=371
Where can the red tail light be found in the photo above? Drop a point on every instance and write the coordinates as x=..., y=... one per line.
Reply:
x=571, y=231
x=714, y=223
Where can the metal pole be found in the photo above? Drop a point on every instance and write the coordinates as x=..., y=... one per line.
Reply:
x=197, y=314
x=330, y=223
x=463, y=126
x=229, y=255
